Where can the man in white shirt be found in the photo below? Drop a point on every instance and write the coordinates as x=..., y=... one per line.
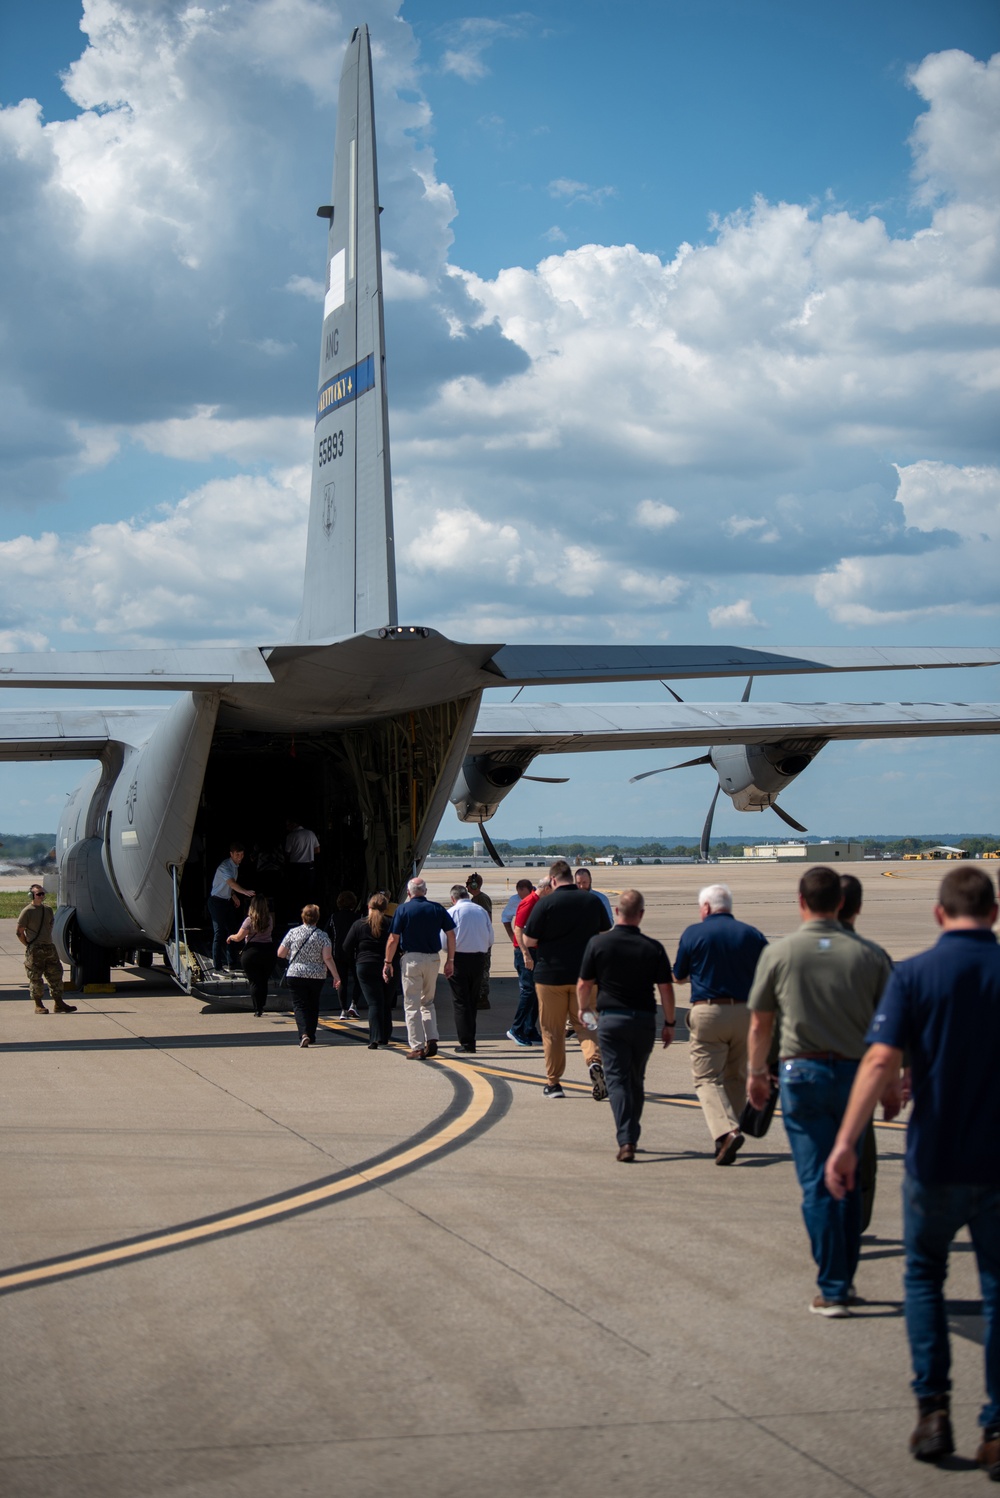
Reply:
x=473, y=940
x=301, y=852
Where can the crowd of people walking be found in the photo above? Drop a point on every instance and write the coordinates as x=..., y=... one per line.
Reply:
x=820, y=1018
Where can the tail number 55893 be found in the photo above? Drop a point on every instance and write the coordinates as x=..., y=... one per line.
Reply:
x=331, y=448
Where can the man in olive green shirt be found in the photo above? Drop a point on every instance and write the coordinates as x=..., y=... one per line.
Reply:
x=41, y=960
x=823, y=983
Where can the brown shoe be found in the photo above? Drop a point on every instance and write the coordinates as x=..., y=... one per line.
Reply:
x=728, y=1147
x=40, y=1009
x=626, y=1154
x=932, y=1438
x=988, y=1454
x=62, y=1008
x=431, y=1049
x=417, y=1054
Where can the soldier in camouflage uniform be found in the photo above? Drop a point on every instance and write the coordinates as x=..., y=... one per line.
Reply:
x=41, y=960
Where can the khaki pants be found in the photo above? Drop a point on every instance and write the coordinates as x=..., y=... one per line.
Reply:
x=42, y=965
x=420, y=975
x=557, y=1004
x=718, y=1054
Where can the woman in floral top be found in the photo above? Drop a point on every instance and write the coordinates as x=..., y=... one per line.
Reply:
x=310, y=958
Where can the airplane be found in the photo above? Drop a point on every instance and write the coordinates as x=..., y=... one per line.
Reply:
x=373, y=725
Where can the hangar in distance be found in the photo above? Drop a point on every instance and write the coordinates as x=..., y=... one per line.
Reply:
x=373, y=725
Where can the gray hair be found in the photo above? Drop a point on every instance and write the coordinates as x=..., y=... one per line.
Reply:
x=717, y=897
x=459, y=892
x=416, y=887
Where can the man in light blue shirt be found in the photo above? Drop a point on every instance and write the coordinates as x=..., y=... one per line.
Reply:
x=223, y=906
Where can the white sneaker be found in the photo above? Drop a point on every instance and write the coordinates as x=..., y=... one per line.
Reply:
x=834, y=1309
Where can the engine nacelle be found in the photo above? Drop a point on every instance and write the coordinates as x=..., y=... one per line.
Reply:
x=754, y=775
x=484, y=780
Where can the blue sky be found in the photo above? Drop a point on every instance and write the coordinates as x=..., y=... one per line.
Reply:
x=692, y=328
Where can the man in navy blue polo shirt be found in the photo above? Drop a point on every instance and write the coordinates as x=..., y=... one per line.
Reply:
x=719, y=956
x=416, y=930
x=943, y=1008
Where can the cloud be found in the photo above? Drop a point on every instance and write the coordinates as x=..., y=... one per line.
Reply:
x=218, y=567
x=580, y=192
x=739, y=615
x=802, y=402
x=655, y=516
x=470, y=38
x=938, y=584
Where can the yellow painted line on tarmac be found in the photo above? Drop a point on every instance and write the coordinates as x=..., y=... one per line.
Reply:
x=479, y=1106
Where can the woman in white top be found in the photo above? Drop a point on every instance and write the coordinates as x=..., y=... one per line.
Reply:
x=310, y=958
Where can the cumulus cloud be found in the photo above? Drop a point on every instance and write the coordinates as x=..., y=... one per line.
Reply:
x=802, y=402
x=738, y=615
x=960, y=580
x=223, y=566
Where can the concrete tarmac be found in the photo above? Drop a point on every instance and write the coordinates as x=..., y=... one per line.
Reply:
x=233, y=1267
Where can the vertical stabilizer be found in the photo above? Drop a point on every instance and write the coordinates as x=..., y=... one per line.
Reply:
x=350, y=581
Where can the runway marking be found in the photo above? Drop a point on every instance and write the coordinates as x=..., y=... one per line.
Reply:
x=668, y=1099
x=484, y=1101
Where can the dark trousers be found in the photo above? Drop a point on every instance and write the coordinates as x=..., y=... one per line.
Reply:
x=525, y=1022
x=305, y=1001
x=379, y=997
x=466, y=984
x=223, y=913
x=626, y=1040
x=257, y=961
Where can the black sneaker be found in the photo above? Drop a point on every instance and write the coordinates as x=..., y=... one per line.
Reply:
x=553, y=1090
x=600, y=1086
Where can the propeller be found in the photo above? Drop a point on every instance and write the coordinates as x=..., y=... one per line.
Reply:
x=706, y=759
x=488, y=845
x=703, y=759
x=786, y=818
x=548, y=779
x=706, y=831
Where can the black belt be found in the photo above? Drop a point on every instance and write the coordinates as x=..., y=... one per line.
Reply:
x=717, y=1001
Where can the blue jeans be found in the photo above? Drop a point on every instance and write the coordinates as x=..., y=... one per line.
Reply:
x=525, y=1022
x=813, y=1099
x=932, y=1215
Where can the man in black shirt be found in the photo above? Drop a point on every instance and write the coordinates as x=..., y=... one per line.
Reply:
x=625, y=967
x=558, y=930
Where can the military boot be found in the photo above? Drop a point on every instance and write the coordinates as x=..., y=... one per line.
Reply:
x=61, y=1007
x=40, y=1007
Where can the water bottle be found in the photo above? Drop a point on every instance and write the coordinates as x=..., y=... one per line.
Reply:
x=589, y=1019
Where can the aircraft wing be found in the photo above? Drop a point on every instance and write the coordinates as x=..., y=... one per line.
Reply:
x=527, y=665
x=552, y=727
x=190, y=670
x=73, y=733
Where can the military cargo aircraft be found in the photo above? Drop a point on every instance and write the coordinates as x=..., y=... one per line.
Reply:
x=373, y=725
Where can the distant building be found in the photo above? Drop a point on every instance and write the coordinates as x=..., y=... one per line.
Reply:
x=801, y=853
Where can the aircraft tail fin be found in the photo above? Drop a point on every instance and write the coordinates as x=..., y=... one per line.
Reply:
x=350, y=577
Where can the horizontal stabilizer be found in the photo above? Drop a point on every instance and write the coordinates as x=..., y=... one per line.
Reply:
x=74, y=732
x=190, y=670
x=524, y=665
x=553, y=727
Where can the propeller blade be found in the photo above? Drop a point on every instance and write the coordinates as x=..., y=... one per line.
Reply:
x=746, y=691
x=703, y=759
x=488, y=845
x=786, y=818
x=548, y=779
x=674, y=695
x=706, y=831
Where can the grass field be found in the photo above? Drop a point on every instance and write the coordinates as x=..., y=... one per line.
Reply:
x=13, y=901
